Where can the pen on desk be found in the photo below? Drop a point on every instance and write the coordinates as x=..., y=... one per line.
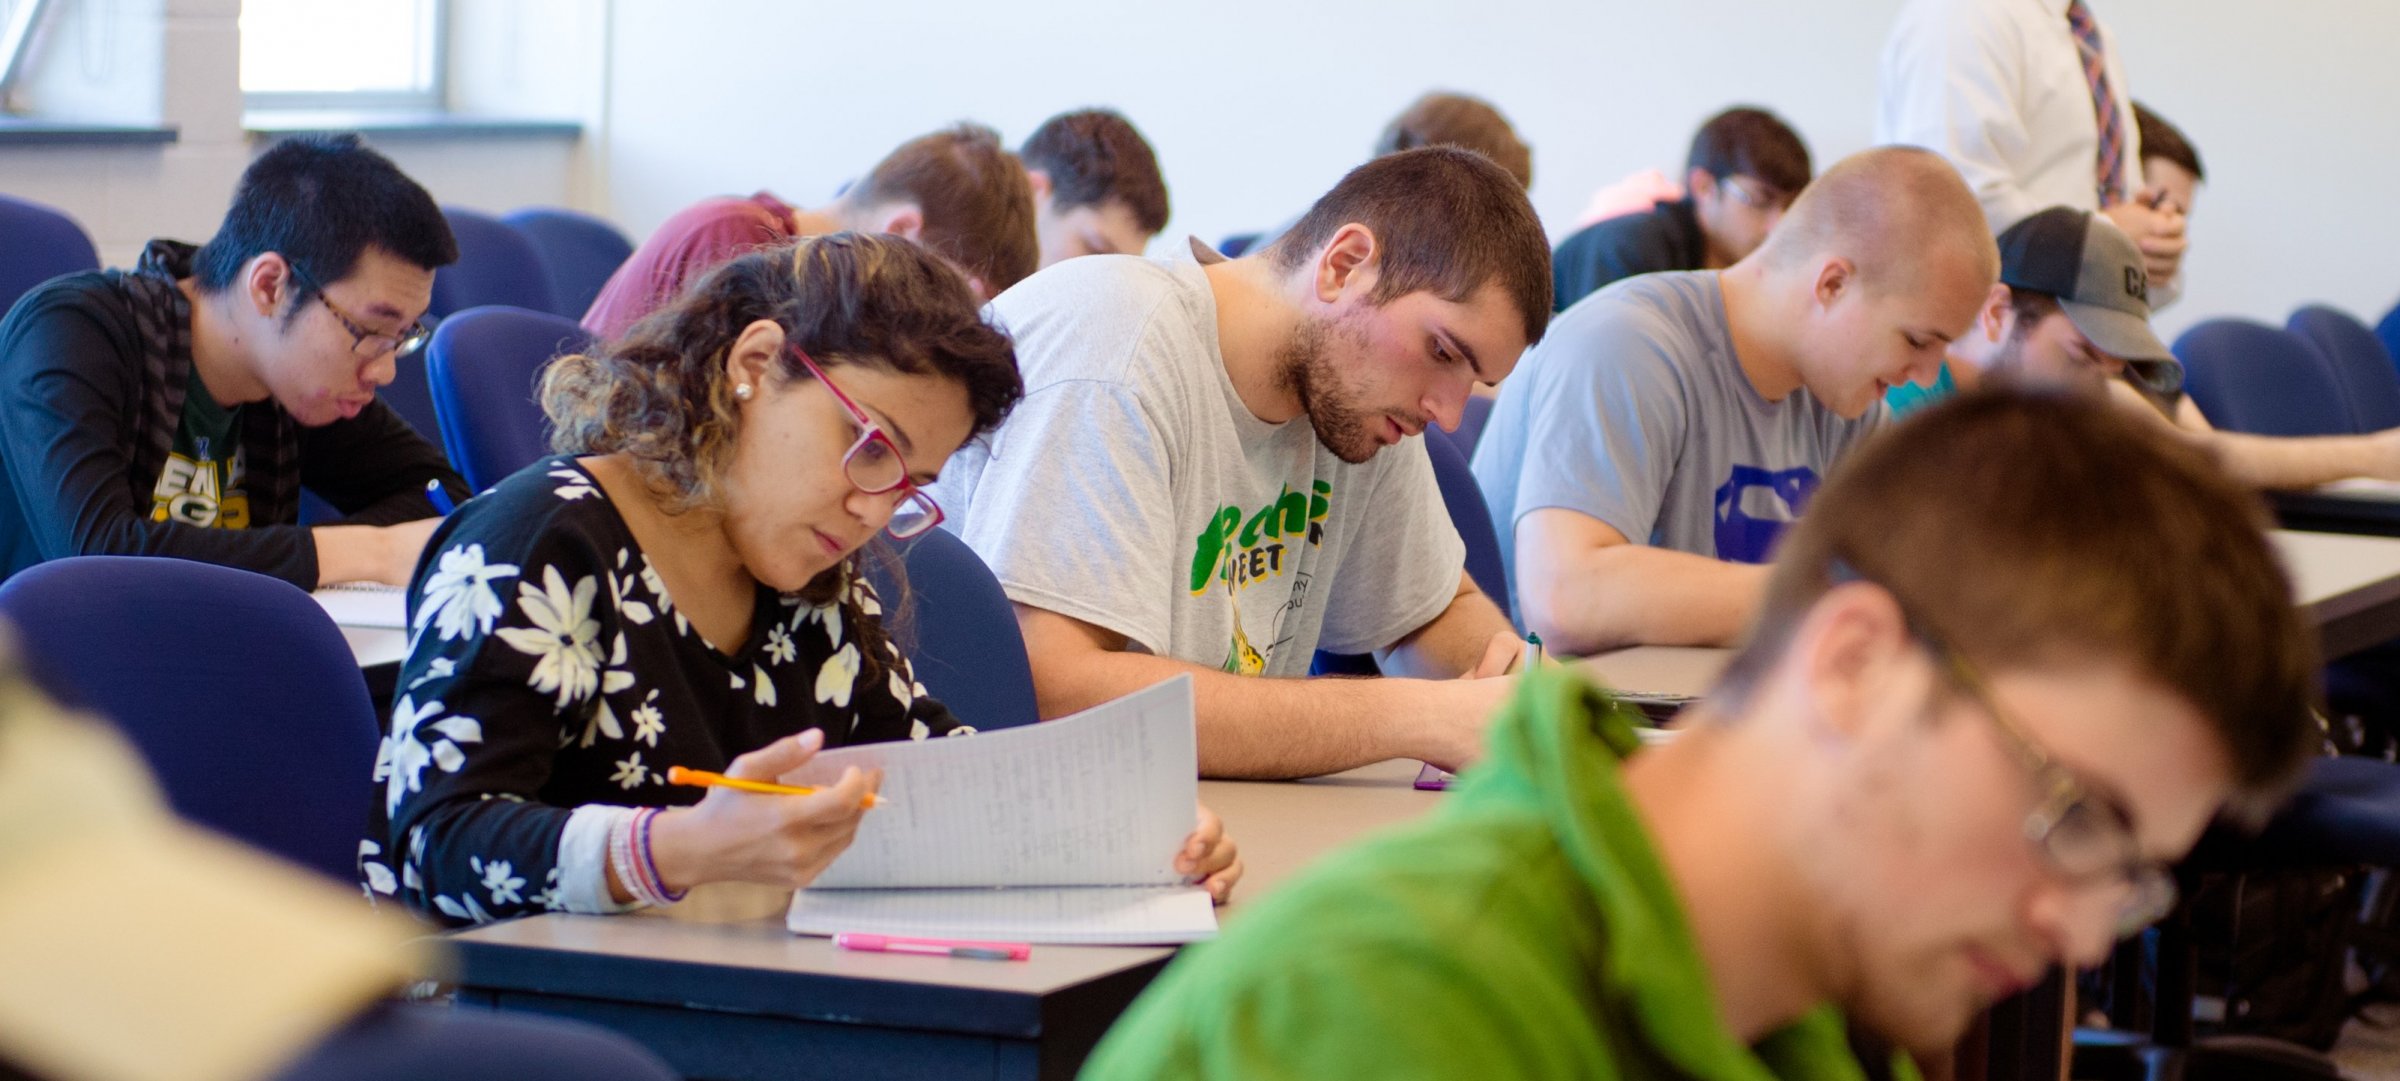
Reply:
x=700, y=778
x=937, y=947
x=439, y=498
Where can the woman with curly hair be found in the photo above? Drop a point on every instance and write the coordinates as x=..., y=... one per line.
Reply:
x=679, y=585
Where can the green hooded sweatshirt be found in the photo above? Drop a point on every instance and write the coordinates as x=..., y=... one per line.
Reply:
x=1525, y=929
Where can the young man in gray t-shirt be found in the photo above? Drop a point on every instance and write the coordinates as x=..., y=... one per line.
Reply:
x=1213, y=471
x=1647, y=455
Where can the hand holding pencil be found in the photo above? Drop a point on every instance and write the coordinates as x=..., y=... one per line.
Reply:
x=758, y=824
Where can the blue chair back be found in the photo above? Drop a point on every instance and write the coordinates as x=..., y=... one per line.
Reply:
x=959, y=630
x=1463, y=498
x=2250, y=377
x=2389, y=332
x=1470, y=424
x=578, y=252
x=2369, y=383
x=392, y=1041
x=1233, y=246
x=37, y=244
x=484, y=366
x=237, y=688
x=496, y=265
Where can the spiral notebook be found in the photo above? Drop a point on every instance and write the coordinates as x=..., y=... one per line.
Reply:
x=1059, y=832
x=365, y=604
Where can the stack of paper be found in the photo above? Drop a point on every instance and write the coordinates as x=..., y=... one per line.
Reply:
x=365, y=604
x=1064, y=831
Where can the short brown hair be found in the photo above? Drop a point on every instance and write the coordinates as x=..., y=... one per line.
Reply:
x=978, y=206
x=1441, y=118
x=1749, y=141
x=1445, y=219
x=1890, y=210
x=1094, y=157
x=2030, y=529
x=2164, y=140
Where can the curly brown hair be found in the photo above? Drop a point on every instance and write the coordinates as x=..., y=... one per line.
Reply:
x=660, y=394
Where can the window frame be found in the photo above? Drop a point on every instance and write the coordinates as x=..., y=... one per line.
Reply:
x=434, y=98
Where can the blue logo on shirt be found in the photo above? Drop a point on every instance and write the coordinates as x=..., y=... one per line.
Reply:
x=1748, y=524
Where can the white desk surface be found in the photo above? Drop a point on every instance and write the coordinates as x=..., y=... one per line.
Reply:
x=2331, y=569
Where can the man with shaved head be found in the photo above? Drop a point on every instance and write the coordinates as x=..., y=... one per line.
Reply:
x=1652, y=448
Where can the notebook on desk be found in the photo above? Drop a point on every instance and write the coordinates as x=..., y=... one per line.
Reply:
x=1059, y=832
x=365, y=604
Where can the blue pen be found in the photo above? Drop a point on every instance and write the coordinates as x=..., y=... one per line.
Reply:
x=439, y=498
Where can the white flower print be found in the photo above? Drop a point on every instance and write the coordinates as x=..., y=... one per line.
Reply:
x=961, y=730
x=437, y=668
x=630, y=772
x=762, y=686
x=471, y=910
x=401, y=759
x=621, y=589
x=831, y=617
x=379, y=877
x=499, y=879
x=617, y=678
x=648, y=722
x=918, y=730
x=839, y=675
x=459, y=599
x=564, y=635
x=900, y=690
x=576, y=487
x=550, y=898
x=780, y=649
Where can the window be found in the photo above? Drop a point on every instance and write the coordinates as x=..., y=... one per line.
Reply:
x=376, y=54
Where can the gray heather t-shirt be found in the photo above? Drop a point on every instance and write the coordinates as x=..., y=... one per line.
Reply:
x=1134, y=491
x=1634, y=410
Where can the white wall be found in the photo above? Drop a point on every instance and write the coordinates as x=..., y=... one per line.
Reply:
x=1257, y=105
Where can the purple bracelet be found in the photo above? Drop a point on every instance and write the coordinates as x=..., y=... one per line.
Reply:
x=649, y=863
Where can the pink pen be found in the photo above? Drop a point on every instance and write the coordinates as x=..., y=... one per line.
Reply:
x=938, y=947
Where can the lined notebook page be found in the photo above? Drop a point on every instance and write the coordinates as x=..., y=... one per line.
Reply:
x=1101, y=798
x=365, y=604
x=1075, y=915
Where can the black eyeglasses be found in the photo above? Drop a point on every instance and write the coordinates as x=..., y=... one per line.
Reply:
x=365, y=343
x=2084, y=836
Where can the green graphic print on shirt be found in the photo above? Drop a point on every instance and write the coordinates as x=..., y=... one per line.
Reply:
x=201, y=484
x=1240, y=550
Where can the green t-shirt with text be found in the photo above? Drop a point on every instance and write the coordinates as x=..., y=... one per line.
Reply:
x=201, y=484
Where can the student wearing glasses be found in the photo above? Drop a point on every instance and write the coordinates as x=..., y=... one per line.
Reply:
x=179, y=408
x=1910, y=794
x=680, y=586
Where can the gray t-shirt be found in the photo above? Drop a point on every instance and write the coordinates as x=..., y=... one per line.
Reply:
x=1634, y=410
x=1133, y=490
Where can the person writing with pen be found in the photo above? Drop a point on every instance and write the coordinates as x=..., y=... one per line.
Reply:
x=680, y=587
x=180, y=408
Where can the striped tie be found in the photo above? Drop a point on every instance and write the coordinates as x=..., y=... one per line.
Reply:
x=2109, y=170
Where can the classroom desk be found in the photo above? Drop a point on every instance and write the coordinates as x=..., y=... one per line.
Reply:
x=748, y=999
x=2349, y=586
x=376, y=645
x=2358, y=506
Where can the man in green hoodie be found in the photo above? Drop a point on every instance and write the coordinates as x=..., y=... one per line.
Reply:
x=1912, y=792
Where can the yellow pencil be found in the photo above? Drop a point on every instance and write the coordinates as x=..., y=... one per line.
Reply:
x=700, y=778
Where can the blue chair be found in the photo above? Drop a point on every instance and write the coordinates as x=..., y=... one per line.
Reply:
x=1233, y=246
x=483, y=367
x=395, y=1042
x=1463, y=498
x=2369, y=383
x=1471, y=421
x=2389, y=332
x=496, y=265
x=2250, y=377
x=248, y=705
x=37, y=244
x=958, y=628
x=578, y=250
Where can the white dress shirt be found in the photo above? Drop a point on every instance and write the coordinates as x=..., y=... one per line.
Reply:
x=1997, y=87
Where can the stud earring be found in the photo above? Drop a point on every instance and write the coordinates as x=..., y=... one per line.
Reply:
x=741, y=391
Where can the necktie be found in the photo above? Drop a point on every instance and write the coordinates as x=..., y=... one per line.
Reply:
x=2109, y=169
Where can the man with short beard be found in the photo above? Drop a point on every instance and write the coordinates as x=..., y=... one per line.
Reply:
x=1213, y=472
